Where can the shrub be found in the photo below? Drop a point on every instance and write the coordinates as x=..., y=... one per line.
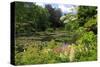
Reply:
x=50, y=30
x=87, y=47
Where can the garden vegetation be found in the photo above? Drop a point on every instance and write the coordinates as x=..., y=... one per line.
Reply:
x=44, y=35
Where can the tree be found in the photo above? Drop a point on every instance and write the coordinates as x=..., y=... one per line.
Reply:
x=55, y=15
x=87, y=17
x=70, y=21
x=30, y=18
x=86, y=12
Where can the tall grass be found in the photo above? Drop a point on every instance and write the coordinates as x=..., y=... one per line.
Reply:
x=37, y=52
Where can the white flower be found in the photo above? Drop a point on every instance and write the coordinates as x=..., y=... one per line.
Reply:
x=66, y=21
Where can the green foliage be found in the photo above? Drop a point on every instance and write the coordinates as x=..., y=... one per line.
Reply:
x=54, y=17
x=52, y=44
x=33, y=54
x=91, y=25
x=18, y=58
x=30, y=18
x=85, y=54
x=87, y=47
x=77, y=41
x=90, y=22
x=50, y=30
x=86, y=12
x=70, y=21
x=88, y=39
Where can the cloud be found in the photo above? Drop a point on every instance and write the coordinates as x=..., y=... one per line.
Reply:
x=67, y=8
x=41, y=4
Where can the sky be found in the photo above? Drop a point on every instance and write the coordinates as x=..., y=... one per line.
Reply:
x=65, y=8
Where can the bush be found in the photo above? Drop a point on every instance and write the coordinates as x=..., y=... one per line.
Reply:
x=50, y=30
x=87, y=47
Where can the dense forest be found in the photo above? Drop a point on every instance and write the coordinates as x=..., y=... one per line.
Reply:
x=46, y=35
